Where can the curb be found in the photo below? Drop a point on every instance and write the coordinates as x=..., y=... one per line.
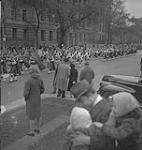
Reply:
x=109, y=59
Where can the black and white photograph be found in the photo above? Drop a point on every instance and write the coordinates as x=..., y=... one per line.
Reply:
x=71, y=74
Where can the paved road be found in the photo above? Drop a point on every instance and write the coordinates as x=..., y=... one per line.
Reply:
x=126, y=66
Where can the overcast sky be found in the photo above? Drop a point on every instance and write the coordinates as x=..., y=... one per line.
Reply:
x=134, y=7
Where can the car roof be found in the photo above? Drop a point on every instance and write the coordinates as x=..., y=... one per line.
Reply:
x=134, y=79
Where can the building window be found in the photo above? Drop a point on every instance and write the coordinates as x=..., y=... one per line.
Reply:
x=14, y=34
x=24, y=14
x=80, y=37
x=58, y=35
x=13, y=13
x=42, y=17
x=42, y=35
x=25, y=34
x=76, y=40
x=50, y=35
x=84, y=37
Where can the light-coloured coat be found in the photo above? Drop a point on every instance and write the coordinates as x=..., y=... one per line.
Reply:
x=62, y=77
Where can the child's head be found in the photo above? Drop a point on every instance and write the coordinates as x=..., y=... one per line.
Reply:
x=80, y=118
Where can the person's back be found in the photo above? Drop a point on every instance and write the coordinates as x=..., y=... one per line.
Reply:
x=63, y=71
x=100, y=113
x=87, y=73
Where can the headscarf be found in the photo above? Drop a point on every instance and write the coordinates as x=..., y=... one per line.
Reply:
x=80, y=118
x=124, y=103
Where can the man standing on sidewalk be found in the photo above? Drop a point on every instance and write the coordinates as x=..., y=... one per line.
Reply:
x=32, y=90
x=87, y=73
x=62, y=77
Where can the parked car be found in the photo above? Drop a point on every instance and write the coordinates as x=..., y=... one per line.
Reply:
x=112, y=84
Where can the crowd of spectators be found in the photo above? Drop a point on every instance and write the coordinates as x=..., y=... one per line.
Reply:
x=15, y=61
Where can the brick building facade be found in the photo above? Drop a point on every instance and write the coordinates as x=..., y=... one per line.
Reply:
x=17, y=31
x=17, y=28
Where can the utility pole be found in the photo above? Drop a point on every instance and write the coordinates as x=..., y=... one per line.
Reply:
x=3, y=38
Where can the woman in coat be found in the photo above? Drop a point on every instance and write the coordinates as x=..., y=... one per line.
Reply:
x=124, y=124
x=73, y=76
x=32, y=90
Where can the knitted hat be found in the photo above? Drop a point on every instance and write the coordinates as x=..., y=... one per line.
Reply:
x=124, y=103
x=80, y=118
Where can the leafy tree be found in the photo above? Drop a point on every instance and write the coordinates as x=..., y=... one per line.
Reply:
x=134, y=30
x=68, y=14
x=117, y=18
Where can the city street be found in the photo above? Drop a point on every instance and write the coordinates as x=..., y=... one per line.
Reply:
x=128, y=65
x=16, y=123
x=73, y=45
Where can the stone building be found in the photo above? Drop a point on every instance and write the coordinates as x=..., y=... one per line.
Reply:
x=91, y=30
x=18, y=23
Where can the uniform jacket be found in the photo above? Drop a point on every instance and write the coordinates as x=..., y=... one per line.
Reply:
x=33, y=89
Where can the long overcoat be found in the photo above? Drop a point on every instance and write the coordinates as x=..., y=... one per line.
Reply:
x=62, y=77
x=32, y=90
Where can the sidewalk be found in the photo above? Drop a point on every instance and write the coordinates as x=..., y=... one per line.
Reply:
x=30, y=142
x=21, y=102
x=15, y=124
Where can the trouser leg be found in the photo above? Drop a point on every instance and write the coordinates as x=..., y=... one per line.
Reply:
x=63, y=93
x=59, y=93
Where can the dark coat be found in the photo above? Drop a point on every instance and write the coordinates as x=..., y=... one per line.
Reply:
x=100, y=113
x=72, y=78
x=128, y=132
x=32, y=90
x=87, y=73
